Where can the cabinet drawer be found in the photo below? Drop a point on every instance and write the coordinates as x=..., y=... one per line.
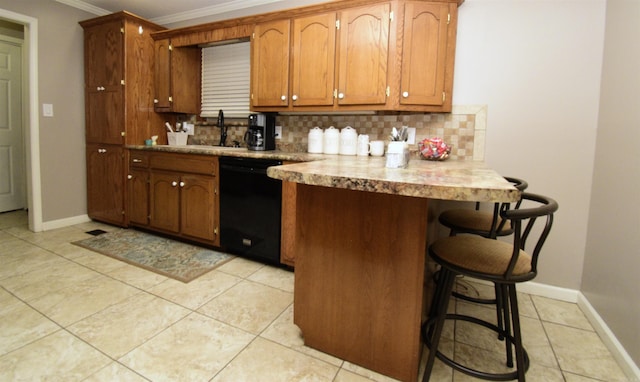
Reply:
x=189, y=163
x=138, y=159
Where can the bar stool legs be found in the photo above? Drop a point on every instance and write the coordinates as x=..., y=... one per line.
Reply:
x=510, y=331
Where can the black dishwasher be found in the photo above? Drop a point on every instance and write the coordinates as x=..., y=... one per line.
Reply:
x=250, y=208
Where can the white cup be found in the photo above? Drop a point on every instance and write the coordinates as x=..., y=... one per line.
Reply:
x=363, y=145
x=377, y=148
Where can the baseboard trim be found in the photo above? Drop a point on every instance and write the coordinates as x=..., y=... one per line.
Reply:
x=61, y=223
x=627, y=364
x=609, y=339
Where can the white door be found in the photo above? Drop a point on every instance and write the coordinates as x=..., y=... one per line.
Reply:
x=12, y=162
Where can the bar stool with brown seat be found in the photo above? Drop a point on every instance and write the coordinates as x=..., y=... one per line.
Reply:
x=503, y=263
x=481, y=222
x=486, y=224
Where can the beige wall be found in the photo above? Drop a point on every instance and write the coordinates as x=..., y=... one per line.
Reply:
x=612, y=259
x=61, y=82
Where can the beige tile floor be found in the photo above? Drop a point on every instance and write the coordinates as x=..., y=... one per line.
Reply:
x=69, y=314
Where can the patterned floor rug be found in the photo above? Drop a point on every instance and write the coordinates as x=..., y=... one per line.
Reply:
x=180, y=261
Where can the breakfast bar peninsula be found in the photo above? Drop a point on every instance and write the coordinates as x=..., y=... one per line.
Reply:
x=359, y=235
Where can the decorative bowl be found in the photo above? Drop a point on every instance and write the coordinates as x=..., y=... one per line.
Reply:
x=434, y=149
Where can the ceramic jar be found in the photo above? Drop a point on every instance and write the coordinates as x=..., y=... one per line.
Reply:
x=348, y=141
x=316, y=137
x=331, y=141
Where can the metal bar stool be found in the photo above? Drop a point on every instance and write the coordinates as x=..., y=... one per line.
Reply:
x=502, y=263
x=486, y=224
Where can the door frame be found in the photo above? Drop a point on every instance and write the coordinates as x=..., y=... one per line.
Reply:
x=31, y=116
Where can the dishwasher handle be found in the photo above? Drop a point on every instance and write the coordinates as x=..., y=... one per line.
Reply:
x=244, y=169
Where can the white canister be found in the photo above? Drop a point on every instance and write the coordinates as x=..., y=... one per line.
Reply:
x=316, y=137
x=331, y=141
x=348, y=141
x=363, y=145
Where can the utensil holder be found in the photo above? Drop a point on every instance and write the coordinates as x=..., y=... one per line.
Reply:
x=177, y=139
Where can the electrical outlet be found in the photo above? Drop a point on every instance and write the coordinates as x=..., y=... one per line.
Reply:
x=411, y=135
x=278, y=132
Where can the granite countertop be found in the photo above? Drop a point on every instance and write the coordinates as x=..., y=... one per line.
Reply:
x=448, y=180
x=233, y=152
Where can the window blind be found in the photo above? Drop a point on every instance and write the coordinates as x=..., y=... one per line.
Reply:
x=225, y=80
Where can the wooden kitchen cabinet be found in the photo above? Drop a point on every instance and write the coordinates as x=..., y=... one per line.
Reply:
x=313, y=60
x=105, y=183
x=177, y=78
x=270, y=64
x=183, y=196
x=363, y=55
x=138, y=188
x=425, y=53
x=394, y=55
x=119, y=68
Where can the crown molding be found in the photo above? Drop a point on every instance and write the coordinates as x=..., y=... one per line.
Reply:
x=85, y=7
x=229, y=6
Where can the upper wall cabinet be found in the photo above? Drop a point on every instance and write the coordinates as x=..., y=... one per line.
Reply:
x=177, y=78
x=425, y=55
x=394, y=55
x=270, y=64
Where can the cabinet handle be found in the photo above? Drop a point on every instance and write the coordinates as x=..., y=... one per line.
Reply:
x=181, y=184
x=174, y=183
x=129, y=176
x=283, y=98
x=340, y=95
x=294, y=97
x=405, y=94
x=137, y=160
x=100, y=88
x=102, y=151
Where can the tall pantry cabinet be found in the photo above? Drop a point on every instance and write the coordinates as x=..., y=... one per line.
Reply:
x=119, y=109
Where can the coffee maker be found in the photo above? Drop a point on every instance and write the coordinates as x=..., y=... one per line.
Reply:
x=261, y=132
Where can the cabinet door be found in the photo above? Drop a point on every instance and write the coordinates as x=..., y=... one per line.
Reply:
x=424, y=53
x=313, y=61
x=165, y=201
x=104, y=115
x=104, y=71
x=105, y=183
x=270, y=64
x=363, y=53
x=161, y=99
x=104, y=52
x=197, y=210
x=138, y=196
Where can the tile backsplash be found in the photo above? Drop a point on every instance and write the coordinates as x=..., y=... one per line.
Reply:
x=463, y=129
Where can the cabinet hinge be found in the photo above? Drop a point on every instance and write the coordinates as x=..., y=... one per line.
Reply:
x=123, y=134
x=253, y=36
x=121, y=82
x=335, y=93
x=391, y=16
x=215, y=231
x=170, y=99
x=388, y=91
x=444, y=96
x=122, y=30
x=170, y=47
x=448, y=18
x=337, y=24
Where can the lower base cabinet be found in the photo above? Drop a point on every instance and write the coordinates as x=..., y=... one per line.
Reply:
x=105, y=183
x=181, y=195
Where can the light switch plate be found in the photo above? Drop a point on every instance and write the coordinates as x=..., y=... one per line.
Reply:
x=278, y=132
x=47, y=110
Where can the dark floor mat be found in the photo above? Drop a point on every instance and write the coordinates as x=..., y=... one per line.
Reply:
x=96, y=232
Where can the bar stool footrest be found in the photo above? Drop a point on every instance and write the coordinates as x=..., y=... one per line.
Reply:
x=426, y=326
